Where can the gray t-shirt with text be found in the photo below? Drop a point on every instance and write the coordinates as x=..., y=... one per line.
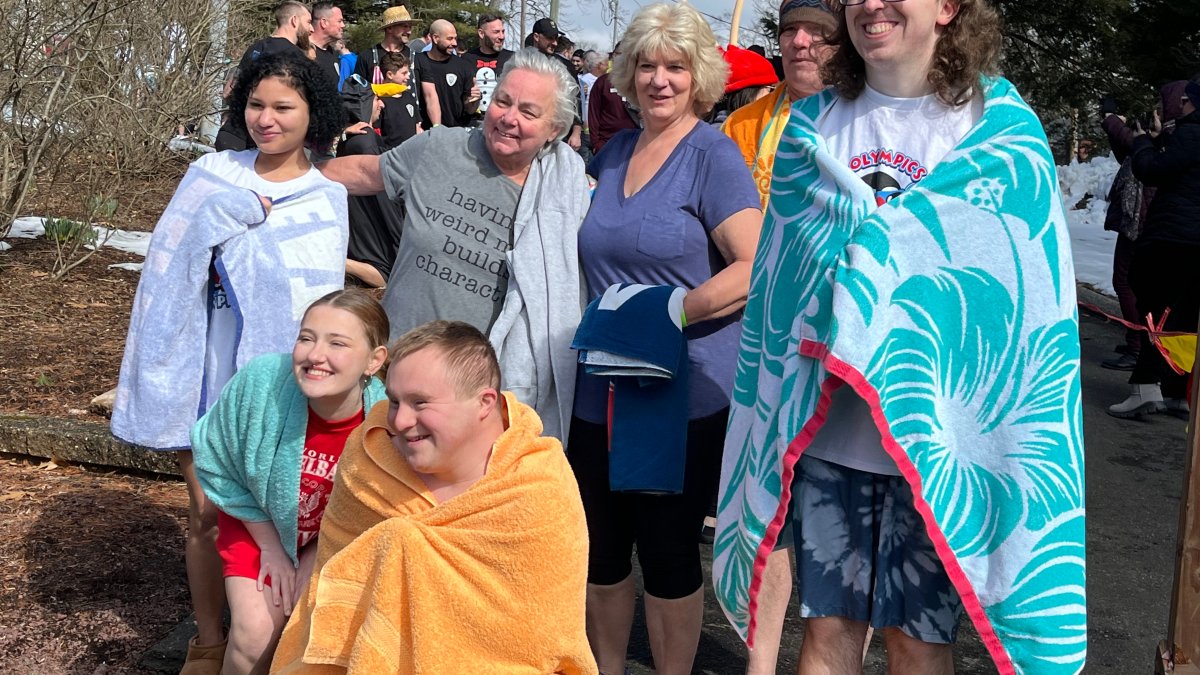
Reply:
x=457, y=230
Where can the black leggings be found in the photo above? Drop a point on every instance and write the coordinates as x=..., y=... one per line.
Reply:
x=1165, y=275
x=666, y=528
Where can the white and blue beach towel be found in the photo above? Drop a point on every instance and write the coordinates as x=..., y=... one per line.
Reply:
x=951, y=311
x=272, y=267
x=633, y=335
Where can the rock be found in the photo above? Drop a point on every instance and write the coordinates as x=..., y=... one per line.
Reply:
x=103, y=404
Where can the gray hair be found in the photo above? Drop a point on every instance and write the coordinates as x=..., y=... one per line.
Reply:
x=592, y=59
x=566, y=87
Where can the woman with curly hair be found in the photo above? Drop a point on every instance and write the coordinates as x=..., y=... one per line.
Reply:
x=249, y=240
x=908, y=381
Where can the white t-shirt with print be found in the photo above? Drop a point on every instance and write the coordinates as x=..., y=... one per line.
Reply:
x=890, y=143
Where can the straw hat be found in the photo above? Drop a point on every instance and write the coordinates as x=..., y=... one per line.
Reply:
x=395, y=15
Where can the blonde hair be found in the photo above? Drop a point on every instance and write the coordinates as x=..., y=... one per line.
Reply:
x=661, y=29
x=470, y=359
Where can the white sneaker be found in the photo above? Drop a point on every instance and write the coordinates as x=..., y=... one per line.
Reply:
x=1146, y=399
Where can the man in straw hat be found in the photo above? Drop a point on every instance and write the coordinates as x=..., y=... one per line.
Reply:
x=397, y=29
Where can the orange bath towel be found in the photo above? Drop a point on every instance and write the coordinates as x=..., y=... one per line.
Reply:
x=491, y=581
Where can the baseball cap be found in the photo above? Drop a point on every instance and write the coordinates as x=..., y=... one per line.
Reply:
x=546, y=27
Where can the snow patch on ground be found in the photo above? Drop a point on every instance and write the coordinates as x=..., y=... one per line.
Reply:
x=122, y=240
x=1091, y=245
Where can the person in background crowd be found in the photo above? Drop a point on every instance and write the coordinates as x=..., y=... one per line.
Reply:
x=328, y=27
x=454, y=541
x=608, y=111
x=489, y=57
x=218, y=242
x=1163, y=272
x=376, y=222
x=1121, y=135
x=490, y=230
x=577, y=61
x=397, y=25
x=346, y=61
x=673, y=205
x=544, y=38
x=871, y=369
x=757, y=127
x=594, y=65
x=400, y=120
x=266, y=455
x=447, y=91
x=751, y=77
x=293, y=25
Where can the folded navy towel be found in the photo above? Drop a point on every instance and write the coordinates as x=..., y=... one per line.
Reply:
x=633, y=334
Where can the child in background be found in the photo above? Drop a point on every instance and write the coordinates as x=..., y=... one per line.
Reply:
x=401, y=119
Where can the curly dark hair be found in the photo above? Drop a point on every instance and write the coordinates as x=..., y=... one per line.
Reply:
x=968, y=49
x=326, y=115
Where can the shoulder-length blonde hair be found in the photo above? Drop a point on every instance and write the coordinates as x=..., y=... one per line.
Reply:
x=967, y=50
x=661, y=29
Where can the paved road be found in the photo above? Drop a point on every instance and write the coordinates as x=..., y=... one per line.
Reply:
x=1134, y=474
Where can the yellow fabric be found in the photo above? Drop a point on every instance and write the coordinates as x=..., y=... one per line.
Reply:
x=388, y=89
x=1181, y=349
x=761, y=121
x=491, y=581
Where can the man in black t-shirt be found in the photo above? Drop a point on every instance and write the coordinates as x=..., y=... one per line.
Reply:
x=448, y=93
x=328, y=26
x=293, y=26
x=397, y=28
x=489, y=57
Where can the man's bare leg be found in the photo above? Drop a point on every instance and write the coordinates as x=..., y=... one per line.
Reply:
x=609, y=620
x=910, y=655
x=773, y=598
x=204, y=568
x=674, y=628
x=832, y=646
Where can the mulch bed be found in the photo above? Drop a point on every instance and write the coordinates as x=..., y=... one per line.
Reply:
x=91, y=567
x=62, y=340
x=91, y=562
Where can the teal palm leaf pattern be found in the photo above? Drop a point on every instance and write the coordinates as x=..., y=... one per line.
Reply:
x=954, y=306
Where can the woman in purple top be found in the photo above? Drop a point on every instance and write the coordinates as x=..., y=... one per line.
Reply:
x=674, y=205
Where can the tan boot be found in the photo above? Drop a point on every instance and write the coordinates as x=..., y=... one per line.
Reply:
x=204, y=660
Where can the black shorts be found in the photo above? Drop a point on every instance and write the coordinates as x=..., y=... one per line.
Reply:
x=665, y=528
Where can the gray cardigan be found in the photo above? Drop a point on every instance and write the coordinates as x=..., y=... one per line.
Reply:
x=532, y=336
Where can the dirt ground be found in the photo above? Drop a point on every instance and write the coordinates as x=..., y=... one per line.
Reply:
x=91, y=563
x=62, y=340
x=91, y=567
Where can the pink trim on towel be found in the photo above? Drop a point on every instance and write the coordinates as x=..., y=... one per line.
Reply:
x=852, y=377
x=795, y=448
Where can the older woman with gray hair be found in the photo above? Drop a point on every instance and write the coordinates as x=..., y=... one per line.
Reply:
x=674, y=205
x=490, y=230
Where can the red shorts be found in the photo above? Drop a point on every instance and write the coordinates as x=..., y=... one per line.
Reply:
x=239, y=552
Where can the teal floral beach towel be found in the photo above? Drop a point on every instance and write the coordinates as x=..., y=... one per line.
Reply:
x=951, y=311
